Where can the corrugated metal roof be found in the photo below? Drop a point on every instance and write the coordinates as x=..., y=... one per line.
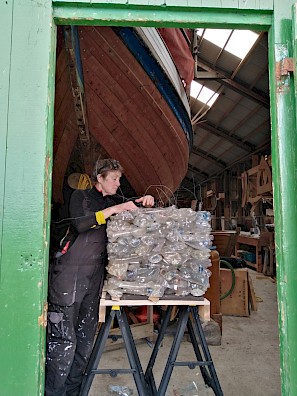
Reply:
x=238, y=124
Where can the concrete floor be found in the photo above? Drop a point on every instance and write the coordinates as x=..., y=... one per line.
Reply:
x=246, y=362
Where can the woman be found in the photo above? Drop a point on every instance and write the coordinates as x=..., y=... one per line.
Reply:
x=76, y=279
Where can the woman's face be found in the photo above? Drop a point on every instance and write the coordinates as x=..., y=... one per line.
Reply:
x=110, y=183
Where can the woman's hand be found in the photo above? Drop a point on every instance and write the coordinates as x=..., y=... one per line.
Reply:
x=129, y=205
x=118, y=209
x=147, y=201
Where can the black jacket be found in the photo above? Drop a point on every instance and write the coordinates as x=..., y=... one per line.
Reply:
x=83, y=264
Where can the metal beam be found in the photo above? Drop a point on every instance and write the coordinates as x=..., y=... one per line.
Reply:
x=228, y=82
x=208, y=157
x=225, y=135
x=197, y=171
x=259, y=149
x=205, y=75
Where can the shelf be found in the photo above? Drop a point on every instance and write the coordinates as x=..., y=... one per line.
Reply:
x=255, y=243
x=250, y=264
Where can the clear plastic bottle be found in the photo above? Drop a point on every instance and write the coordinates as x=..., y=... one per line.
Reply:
x=120, y=390
x=152, y=250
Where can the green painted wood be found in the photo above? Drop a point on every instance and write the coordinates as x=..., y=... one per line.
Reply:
x=194, y=3
x=5, y=44
x=109, y=15
x=24, y=247
x=218, y=4
x=138, y=2
x=294, y=43
x=284, y=165
x=26, y=98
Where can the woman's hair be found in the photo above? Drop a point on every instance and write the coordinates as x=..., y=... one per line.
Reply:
x=103, y=166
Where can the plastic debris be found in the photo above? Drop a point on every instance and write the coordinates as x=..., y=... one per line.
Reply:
x=153, y=252
x=120, y=390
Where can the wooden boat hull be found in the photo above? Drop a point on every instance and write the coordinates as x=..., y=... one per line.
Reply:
x=127, y=117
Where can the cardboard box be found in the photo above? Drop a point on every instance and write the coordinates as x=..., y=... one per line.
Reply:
x=237, y=303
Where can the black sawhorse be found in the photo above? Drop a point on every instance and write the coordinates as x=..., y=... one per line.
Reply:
x=145, y=383
x=135, y=365
x=188, y=317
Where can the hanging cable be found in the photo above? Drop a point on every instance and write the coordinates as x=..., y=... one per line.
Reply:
x=228, y=265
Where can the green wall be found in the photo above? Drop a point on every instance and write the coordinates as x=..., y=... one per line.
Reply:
x=27, y=45
x=26, y=126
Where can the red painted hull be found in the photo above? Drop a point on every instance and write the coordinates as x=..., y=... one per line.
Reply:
x=126, y=115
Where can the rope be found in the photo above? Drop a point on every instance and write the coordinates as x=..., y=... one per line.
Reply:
x=84, y=182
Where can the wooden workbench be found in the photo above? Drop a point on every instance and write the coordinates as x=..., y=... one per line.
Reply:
x=251, y=240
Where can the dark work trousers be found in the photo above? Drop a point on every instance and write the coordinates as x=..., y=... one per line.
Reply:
x=71, y=332
x=71, y=329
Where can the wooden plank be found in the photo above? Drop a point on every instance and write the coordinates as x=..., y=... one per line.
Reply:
x=6, y=9
x=225, y=242
x=64, y=117
x=104, y=14
x=62, y=85
x=136, y=85
x=92, y=45
x=138, y=2
x=264, y=178
x=114, y=150
x=255, y=4
x=237, y=302
x=160, y=152
x=115, y=130
x=61, y=160
x=122, y=86
x=122, y=52
x=173, y=313
x=127, y=301
x=107, y=114
x=253, y=171
x=133, y=128
x=251, y=241
x=182, y=4
x=64, y=107
x=252, y=295
x=211, y=3
x=250, y=264
x=28, y=120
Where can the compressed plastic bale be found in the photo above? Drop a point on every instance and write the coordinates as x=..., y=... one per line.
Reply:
x=173, y=243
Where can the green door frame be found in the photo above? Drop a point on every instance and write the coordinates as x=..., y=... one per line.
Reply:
x=26, y=117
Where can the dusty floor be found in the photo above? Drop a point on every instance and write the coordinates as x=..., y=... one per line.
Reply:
x=246, y=362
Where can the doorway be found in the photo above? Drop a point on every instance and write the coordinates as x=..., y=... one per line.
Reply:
x=202, y=150
x=254, y=21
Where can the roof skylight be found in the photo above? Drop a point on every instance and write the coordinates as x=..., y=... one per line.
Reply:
x=240, y=41
x=203, y=94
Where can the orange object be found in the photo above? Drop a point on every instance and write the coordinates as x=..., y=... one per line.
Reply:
x=141, y=314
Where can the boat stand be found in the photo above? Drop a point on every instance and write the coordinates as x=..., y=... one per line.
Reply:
x=145, y=383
